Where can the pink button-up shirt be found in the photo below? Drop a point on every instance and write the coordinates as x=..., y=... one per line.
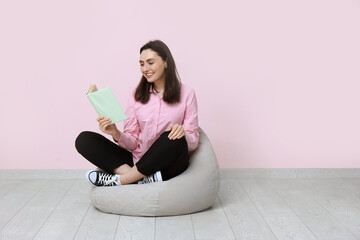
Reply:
x=146, y=122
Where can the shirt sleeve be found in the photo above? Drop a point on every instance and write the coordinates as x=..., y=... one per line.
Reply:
x=190, y=123
x=129, y=137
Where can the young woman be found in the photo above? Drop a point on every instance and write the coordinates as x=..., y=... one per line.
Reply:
x=161, y=129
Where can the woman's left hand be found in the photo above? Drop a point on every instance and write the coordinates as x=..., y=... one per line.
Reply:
x=176, y=132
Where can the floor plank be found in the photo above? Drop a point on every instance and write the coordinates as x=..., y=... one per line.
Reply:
x=12, y=202
x=57, y=230
x=212, y=224
x=97, y=225
x=282, y=220
x=347, y=188
x=174, y=227
x=66, y=218
x=6, y=186
x=74, y=205
x=33, y=215
x=244, y=218
x=313, y=215
x=135, y=228
x=330, y=195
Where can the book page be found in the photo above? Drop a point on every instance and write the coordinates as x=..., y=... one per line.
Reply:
x=92, y=88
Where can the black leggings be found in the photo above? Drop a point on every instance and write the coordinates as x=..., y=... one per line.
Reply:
x=168, y=156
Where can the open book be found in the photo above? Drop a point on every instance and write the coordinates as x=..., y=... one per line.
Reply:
x=105, y=104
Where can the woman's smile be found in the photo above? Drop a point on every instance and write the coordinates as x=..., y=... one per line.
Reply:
x=148, y=75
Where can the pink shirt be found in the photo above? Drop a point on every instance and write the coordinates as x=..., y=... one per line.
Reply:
x=146, y=122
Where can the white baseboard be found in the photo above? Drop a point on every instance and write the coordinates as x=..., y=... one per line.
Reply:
x=225, y=173
x=293, y=173
x=43, y=174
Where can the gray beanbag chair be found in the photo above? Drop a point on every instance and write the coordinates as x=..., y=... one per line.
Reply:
x=194, y=190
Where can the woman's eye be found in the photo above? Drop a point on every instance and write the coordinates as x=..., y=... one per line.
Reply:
x=151, y=63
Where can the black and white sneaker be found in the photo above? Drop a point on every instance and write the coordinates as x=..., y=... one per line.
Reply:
x=101, y=179
x=156, y=177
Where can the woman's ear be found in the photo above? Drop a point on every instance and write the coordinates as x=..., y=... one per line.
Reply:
x=166, y=63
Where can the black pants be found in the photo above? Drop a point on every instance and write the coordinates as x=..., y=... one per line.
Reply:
x=168, y=156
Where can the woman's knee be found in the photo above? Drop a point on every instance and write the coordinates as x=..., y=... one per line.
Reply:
x=165, y=136
x=176, y=143
x=82, y=140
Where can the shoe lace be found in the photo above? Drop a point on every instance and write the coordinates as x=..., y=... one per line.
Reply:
x=107, y=179
x=148, y=179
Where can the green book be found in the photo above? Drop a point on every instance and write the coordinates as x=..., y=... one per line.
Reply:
x=105, y=104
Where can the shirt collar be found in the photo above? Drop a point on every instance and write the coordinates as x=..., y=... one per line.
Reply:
x=151, y=90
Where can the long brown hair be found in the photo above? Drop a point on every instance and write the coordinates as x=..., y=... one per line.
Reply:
x=172, y=80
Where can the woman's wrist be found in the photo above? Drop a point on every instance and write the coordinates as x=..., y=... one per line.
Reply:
x=116, y=135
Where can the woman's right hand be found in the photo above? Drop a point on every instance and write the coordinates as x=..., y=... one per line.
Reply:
x=106, y=127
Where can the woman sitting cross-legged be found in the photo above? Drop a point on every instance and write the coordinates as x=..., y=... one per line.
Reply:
x=161, y=129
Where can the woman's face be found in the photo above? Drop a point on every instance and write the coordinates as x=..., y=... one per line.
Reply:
x=152, y=66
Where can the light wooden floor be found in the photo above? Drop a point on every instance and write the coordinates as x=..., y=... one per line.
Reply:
x=268, y=209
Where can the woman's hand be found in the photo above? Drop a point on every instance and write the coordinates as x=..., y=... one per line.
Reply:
x=106, y=127
x=176, y=132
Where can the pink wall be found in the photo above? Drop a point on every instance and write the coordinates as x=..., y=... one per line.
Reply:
x=277, y=81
